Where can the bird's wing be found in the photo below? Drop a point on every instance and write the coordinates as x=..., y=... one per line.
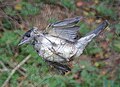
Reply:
x=69, y=34
x=65, y=29
x=67, y=22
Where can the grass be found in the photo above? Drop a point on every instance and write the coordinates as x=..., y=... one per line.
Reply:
x=37, y=72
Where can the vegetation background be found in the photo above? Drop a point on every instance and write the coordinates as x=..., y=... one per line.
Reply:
x=99, y=66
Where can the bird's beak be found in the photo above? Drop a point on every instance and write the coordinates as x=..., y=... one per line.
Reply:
x=24, y=41
x=21, y=42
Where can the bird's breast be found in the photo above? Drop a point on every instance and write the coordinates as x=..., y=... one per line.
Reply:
x=56, y=49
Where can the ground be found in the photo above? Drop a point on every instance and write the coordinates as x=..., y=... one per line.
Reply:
x=98, y=66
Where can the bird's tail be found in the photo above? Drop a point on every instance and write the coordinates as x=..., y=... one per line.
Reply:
x=101, y=27
x=82, y=42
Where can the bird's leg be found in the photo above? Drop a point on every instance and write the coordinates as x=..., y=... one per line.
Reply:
x=60, y=67
x=57, y=53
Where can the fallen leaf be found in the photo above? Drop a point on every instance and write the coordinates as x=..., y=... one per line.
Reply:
x=79, y=3
x=21, y=78
x=97, y=64
x=99, y=20
x=103, y=72
x=104, y=45
x=18, y=7
x=99, y=55
x=85, y=13
x=90, y=20
x=82, y=66
x=96, y=1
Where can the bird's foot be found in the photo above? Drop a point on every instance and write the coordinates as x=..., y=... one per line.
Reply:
x=63, y=69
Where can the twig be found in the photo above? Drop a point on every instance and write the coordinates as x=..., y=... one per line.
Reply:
x=21, y=70
x=5, y=4
x=3, y=66
x=6, y=16
x=14, y=70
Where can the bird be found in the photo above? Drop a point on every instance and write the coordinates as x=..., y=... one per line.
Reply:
x=60, y=42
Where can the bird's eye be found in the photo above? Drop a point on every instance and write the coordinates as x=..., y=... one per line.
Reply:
x=27, y=35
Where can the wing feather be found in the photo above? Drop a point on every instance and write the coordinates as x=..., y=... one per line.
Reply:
x=69, y=34
x=65, y=29
x=67, y=22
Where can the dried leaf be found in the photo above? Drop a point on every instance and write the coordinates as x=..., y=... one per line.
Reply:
x=18, y=7
x=97, y=64
x=79, y=4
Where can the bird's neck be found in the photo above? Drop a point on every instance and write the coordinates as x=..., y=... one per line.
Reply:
x=37, y=39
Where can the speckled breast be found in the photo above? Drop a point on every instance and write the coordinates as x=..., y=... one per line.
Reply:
x=55, y=49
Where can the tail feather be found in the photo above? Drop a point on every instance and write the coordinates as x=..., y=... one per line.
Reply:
x=82, y=42
x=100, y=28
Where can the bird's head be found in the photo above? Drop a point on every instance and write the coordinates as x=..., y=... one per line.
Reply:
x=29, y=36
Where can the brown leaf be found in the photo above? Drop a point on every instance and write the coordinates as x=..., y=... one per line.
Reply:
x=21, y=78
x=79, y=3
x=18, y=7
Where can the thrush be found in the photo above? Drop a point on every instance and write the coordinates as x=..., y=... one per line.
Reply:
x=60, y=43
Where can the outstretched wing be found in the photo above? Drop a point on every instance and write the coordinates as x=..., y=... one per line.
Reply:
x=67, y=22
x=65, y=29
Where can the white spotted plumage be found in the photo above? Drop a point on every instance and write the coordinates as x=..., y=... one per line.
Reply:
x=59, y=43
